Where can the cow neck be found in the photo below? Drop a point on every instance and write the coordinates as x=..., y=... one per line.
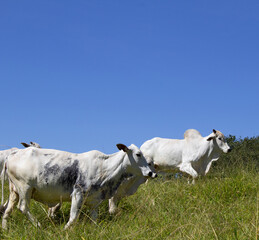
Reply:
x=213, y=152
x=203, y=148
x=115, y=166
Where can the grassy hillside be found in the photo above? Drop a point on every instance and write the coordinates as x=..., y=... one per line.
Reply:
x=223, y=205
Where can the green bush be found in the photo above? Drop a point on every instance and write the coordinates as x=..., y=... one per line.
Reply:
x=244, y=155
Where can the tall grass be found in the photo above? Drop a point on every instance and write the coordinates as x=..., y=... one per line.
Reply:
x=222, y=205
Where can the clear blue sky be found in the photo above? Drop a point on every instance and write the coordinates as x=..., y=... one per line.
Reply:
x=82, y=75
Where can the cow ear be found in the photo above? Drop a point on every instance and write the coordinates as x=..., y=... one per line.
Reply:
x=211, y=137
x=25, y=144
x=122, y=147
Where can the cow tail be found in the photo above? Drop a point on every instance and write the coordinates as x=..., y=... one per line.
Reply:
x=2, y=180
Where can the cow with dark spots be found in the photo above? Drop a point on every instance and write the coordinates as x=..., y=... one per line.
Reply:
x=54, y=175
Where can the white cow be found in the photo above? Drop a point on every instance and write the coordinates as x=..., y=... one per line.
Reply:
x=3, y=157
x=56, y=176
x=5, y=153
x=193, y=155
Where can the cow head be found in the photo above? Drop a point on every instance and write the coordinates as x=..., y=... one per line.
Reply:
x=32, y=144
x=219, y=140
x=137, y=161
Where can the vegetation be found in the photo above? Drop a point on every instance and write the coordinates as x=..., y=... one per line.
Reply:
x=222, y=205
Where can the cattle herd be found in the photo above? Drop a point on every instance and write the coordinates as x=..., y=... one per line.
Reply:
x=52, y=176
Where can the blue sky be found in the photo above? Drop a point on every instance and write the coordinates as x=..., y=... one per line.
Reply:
x=82, y=75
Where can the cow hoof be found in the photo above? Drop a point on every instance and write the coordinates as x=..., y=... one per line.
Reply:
x=112, y=211
x=2, y=209
x=52, y=215
x=4, y=225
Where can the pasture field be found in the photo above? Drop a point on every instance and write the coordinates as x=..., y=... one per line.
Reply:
x=222, y=205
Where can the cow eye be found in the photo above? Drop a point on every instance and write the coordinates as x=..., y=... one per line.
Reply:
x=220, y=138
x=138, y=155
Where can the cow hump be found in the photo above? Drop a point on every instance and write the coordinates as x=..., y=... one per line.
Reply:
x=192, y=134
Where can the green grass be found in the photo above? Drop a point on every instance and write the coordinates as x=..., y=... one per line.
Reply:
x=222, y=205
x=216, y=207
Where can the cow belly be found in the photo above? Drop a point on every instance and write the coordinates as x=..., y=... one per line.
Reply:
x=50, y=196
x=167, y=162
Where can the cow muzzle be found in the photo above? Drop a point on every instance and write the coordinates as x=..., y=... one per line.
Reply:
x=229, y=150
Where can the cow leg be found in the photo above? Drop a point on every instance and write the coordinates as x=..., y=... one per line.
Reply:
x=51, y=211
x=76, y=203
x=112, y=205
x=119, y=194
x=13, y=199
x=5, y=204
x=128, y=187
x=187, y=167
x=32, y=218
x=193, y=181
x=24, y=203
x=11, y=189
x=3, y=207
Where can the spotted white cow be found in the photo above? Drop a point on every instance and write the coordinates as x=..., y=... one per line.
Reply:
x=56, y=176
x=193, y=155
